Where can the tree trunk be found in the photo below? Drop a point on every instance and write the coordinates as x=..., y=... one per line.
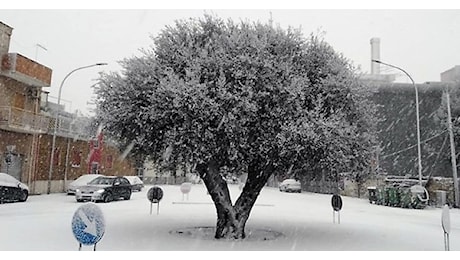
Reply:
x=231, y=220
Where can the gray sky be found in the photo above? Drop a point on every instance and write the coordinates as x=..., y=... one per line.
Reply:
x=424, y=42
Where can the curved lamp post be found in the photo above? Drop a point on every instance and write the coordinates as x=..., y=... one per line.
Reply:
x=56, y=120
x=418, y=119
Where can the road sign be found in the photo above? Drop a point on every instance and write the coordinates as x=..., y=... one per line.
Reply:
x=155, y=194
x=88, y=224
x=8, y=159
x=445, y=222
x=336, y=202
x=185, y=189
x=445, y=219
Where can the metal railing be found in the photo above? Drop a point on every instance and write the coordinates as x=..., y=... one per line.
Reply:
x=16, y=119
x=22, y=120
x=70, y=127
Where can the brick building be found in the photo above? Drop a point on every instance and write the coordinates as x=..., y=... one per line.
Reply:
x=27, y=125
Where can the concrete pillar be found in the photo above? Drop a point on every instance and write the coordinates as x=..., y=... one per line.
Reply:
x=5, y=36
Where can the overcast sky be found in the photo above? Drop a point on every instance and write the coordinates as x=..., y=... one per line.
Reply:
x=424, y=42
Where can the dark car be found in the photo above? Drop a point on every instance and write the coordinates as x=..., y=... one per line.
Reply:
x=12, y=190
x=80, y=181
x=105, y=188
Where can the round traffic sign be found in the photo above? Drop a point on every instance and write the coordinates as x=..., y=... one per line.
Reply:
x=88, y=224
x=185, y=187
x=155, y=194
x=336, y=202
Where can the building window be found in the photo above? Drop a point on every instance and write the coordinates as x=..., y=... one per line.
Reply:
x=76, y=158
x=109, y=162
x=19, y=100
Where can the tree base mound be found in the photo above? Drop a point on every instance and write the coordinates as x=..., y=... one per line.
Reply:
x=207, y=233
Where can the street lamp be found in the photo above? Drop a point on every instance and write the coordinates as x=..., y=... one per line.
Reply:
x=418, y=119
x=56, y=120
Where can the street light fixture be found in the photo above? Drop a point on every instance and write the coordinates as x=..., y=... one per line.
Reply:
x=56, y=120
x=418, y=119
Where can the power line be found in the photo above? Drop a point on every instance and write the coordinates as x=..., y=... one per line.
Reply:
x=412, y=146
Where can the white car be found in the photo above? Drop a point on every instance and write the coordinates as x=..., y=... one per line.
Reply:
x=80, y=181
x=136, y=183
x=11, y=189
x=290, y=185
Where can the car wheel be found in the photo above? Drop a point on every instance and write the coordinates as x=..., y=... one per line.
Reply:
x=128, y=196
x=24, y=196
x=108, y=197
x=79, y=200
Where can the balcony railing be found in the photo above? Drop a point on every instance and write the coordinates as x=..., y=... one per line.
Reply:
x=20, y=120
x=76, y=128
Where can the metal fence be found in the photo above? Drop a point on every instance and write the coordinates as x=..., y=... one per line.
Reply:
x=170, y=180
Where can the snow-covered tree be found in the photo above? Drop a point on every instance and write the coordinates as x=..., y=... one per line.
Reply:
x=250, y=98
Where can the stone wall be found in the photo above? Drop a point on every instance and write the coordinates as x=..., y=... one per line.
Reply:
x=433, y=186
x=441, y=184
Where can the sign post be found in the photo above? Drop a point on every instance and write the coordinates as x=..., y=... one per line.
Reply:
x=155, y=194
x=185, y=189
x=445, y=222
x=336, y=202
x=88, y=225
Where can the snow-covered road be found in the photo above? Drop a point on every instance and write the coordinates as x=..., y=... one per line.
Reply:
x=305, y=220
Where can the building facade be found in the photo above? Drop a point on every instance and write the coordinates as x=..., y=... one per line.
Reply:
x=27, y=127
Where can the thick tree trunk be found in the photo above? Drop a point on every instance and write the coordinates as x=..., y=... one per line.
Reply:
x=231, y=220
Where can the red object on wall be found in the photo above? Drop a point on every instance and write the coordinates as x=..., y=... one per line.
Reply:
x=95, y=154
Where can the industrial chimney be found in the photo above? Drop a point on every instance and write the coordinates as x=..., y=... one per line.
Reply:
x=375, y=55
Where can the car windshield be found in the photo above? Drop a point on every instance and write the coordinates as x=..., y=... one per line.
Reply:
x=102, y=181
x=133, y=179
x=86, y=178
x=8, y=178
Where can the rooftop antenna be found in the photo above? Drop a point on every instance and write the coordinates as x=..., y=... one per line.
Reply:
x=36, y=49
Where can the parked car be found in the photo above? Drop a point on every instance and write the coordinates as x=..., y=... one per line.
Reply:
x=104, y=188
x=136, y=183
x=290, y=185
x=12, y=190
x=80, y=181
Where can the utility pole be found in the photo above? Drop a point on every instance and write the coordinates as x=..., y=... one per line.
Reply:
x=452, y=149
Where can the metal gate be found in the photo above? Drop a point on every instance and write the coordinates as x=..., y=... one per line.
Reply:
x=11, y=164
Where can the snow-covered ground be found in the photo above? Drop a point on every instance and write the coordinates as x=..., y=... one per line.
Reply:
x=303, y=222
